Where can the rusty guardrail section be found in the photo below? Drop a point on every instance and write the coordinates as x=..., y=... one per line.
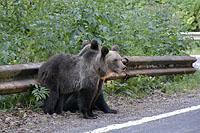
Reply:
x=19, y=78
x=193, y=35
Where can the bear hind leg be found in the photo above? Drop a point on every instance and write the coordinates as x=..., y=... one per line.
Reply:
x=50, y=102
x=59, y=106
x=102, y=105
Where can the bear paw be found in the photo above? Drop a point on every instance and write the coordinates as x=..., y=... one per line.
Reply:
x=111, y=111
x=90, y=116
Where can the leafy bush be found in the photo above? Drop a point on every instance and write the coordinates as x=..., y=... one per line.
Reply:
x=40, y=93
x=189, y=12
x=43, y=28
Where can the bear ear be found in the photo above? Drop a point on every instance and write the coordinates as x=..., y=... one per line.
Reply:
x=115, y=48
x=94, y=45
x=85, y=42
x=104, y=51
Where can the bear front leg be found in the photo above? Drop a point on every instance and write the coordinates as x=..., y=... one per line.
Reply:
x=85, y=99
x=102, y=105
x=100, y=102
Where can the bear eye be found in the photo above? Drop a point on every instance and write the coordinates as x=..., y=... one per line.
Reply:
x=115, y=60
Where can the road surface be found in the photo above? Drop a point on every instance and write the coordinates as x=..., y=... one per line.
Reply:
x=179, y=121
x=183, y=123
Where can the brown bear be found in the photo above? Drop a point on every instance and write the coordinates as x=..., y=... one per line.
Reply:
x=71, y=103
x=66, y=75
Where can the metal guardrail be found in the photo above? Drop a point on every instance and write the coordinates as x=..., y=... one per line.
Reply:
x=193, y=35
x=21, y=77
x=18, y=78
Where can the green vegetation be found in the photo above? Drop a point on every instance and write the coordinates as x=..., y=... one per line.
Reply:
x=195, y=48
x=31, y=99
x=196, y=51
x=43, y=28
x=32, y=31
x=142, y=86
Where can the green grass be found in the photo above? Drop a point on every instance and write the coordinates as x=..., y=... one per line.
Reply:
x=195, y=48
x=195, y=51
x=185, y=83
x=139, y=87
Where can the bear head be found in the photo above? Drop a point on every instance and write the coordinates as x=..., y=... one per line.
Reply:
x=103, y=60
x=115, y=61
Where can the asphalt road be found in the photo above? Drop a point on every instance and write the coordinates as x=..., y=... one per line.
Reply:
x=183, y=123
x=187, y=122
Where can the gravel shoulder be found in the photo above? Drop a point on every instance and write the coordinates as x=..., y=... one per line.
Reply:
x=128, y=109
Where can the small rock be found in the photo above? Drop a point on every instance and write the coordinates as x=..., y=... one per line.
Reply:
x=23, y=130
x=191, y=96
x=12, y=123
x=7, y=120
x=24, y=115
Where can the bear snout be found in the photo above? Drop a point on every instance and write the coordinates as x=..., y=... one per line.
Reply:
x=120, y=69
x=125, y=61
